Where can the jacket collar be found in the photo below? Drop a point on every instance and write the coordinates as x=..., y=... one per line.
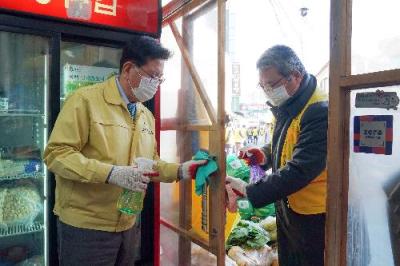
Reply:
x=112, y=96
x=296, y=103
x=111, y=92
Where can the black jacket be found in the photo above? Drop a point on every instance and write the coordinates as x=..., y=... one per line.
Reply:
x=309, y=155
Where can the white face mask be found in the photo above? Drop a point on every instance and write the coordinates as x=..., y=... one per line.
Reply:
x=146, y=90
x=278, y=95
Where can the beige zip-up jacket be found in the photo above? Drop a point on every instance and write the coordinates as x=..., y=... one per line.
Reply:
x=93, y=132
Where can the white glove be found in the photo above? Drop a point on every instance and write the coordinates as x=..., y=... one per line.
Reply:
x=238, y=186
x=188, y=169
x=144, y=164
x=130, y=178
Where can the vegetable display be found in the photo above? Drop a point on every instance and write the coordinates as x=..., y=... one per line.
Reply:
x=247, y=235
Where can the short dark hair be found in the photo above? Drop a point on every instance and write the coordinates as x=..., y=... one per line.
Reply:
x=283, y=58
x=142, y=48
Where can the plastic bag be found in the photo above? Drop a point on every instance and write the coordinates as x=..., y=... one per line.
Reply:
x=238, y=254
x=245, y=207
x=266, y=211
x=201, y=257
x=256, y=173
x=264, y=256
x=229, y=261
x=249, y=257
x=237, y=168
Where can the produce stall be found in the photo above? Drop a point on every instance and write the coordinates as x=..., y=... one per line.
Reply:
x=252, y=240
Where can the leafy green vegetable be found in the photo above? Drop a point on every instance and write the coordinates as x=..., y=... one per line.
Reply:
x=247, y=235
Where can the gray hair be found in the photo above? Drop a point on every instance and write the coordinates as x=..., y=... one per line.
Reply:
x=283, y=58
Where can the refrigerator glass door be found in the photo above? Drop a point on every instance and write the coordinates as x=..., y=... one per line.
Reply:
x=83, y=65
x=24, y=84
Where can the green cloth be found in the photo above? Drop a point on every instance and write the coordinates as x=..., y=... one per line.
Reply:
x=205, y=170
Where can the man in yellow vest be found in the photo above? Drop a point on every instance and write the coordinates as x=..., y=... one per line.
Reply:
x=297, y=156
x=99, y=132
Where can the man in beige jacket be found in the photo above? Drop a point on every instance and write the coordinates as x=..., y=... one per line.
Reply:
x=100, y=130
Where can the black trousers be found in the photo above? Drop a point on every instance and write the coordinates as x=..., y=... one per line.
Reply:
x=78, y=246
x=301, y=238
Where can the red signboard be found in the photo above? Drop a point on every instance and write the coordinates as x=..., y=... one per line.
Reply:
x=135, y=15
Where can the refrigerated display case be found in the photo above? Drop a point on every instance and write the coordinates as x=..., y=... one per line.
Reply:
x=45, y=55
x=24, y=86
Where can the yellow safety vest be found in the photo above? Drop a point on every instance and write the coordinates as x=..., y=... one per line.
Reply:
x=312, y=198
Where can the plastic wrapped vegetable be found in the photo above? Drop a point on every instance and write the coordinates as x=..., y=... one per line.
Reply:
x=251, y=172
x=273, y=235
x=249, y=235
x=265, y=211
x=239, y=256
x=264, y=256
x=269, y=223
x=229, y=261
x=237, y=168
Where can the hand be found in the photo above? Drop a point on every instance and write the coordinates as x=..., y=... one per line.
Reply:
x=231, y=198
x=238, y=186
x=147, y=165
x=130, y=178
x=188, y=169
x=253, y=153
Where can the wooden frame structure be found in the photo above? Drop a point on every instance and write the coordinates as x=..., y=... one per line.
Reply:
x=341, y=84
x=216, y=239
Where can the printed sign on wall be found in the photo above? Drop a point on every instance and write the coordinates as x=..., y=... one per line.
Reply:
x=373, y=134
x=135, y=15
x=378, y=99
x=76, y=76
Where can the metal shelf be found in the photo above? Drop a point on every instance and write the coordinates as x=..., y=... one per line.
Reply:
x=21, y=112
x=21, y=229
x=35, y=175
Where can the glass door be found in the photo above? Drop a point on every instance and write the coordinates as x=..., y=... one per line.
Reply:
x=84, y=65
x=374, y=179
x=24, y=87
x=363, y=146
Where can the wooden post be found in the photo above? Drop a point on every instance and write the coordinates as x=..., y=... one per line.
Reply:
x=217, y=143
x=338, y=154
x=184, y=140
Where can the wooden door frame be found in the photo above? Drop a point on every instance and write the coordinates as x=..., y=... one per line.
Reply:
x=216, y=238
x=341, y=84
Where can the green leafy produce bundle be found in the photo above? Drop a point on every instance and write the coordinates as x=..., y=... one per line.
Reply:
x=248, y=235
